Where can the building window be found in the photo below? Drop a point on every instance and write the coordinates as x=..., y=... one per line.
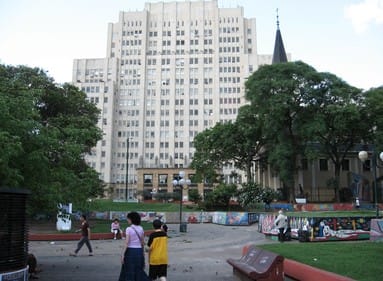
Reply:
x=323, y=165
x=163, y=180
x=148, y=179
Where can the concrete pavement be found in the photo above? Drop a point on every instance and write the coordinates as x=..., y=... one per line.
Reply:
x=199, y=254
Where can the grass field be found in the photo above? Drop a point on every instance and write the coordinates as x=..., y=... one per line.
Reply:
x=103, y=205
x=358, y=260
x=103, y=226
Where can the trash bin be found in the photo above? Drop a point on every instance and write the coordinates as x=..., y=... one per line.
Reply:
x=303, y=236
x=183, y=227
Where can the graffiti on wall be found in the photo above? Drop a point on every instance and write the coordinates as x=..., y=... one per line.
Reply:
x=320, y=229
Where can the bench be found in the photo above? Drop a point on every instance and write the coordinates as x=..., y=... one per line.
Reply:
x=258, y=264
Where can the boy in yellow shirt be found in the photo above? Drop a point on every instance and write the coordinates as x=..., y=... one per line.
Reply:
x=158, y=252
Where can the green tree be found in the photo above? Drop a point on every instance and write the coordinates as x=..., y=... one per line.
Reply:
x=211, y=146
x=237, y=142
x=335, y=122
x=373, y=111
x=247, y=141
x=194, y=196
x=277, y=93
x=221, y=196
x=252, y=193
x=46, y=129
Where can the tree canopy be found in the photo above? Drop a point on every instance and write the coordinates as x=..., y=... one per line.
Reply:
x=45, y=131
x=294, y=112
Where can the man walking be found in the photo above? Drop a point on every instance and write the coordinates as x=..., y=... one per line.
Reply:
x=85, y=237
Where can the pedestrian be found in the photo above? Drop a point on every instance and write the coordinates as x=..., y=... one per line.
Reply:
x=357, y=203
x=116, y=229
x=132, y=257
x=158, y=252
x=85, y=237
x=281, y=223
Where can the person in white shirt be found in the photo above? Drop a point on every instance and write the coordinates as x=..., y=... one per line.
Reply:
x=281, y=223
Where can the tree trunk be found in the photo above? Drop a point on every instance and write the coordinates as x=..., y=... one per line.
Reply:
x=337, y=181
x=249, y=174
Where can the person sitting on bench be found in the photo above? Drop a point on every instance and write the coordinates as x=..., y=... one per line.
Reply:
x=116, y=229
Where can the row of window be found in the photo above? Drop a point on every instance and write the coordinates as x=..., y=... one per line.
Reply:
x=130, y=52
x=182, y=23
x=177, y=52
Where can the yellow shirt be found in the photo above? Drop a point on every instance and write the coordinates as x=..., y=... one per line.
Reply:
x=158, y=244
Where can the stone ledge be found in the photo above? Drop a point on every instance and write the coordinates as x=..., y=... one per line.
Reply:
x=303, y=272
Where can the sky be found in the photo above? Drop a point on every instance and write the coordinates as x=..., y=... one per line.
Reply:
x=344, y=37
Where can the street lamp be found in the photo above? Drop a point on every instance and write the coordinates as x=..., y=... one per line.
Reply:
x=181, y=182
x=363, y=156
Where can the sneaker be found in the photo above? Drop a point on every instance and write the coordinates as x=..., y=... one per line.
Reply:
x=73, y=254
x=90, y=254
x=114, y=238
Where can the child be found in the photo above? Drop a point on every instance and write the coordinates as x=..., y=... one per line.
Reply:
x=116, y=229
x=158, y=252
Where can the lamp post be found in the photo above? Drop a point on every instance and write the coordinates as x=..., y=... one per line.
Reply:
x=127, y=169
x=180, y=182
x=363, y=156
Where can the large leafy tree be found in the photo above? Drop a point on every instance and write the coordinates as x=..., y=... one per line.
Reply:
x=278, y=94
x=211, y=146
x=249, y=140
x=334, y=122
x=221, y=196
x=236, y=142
x=372, y=108
x=45, y=131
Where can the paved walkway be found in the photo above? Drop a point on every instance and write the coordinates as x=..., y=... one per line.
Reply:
x=199, y=254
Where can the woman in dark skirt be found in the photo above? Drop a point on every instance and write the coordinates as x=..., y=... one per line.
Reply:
x=133, y=261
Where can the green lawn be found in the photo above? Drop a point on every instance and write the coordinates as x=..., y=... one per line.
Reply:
x=358, y=260
x=103, y=205
x=103, y=226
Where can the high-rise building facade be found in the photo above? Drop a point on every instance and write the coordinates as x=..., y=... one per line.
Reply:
x=171, y=71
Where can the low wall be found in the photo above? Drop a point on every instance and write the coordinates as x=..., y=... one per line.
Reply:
x=224, y=218
x=234, y=218
x=303, y=272
x=320, y=228
x=311, y=207
x=376, y=232
x=168, y=217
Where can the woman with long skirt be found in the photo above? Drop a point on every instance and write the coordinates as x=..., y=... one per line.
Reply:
x=133, y=260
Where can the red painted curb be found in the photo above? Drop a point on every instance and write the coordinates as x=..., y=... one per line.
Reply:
x=71, y=236
x=303, y=272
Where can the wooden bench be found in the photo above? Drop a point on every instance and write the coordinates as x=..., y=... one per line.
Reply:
x=258, y=264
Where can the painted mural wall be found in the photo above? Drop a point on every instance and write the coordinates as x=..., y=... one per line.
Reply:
x=320, y=229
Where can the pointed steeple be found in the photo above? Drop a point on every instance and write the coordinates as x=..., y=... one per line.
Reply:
x=279, y=55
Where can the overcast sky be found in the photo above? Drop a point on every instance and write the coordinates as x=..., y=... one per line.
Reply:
x=339, y=36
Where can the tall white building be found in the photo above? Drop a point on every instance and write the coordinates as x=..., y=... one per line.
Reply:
x=171, y=71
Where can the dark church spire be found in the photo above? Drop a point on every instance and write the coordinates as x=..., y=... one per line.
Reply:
x=279, y=55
